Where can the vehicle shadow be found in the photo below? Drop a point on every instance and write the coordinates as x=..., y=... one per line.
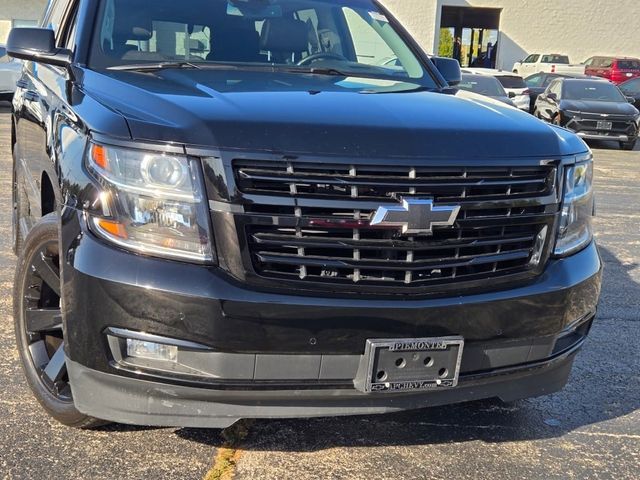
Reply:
x=609, y=145
x=601, y=388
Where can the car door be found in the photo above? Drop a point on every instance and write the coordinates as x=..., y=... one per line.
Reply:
x=35, y=104
x=535, y=84
x=591, y=66
x=528, y=65
x=604, y=67
x=546, y=106
x=632, y=89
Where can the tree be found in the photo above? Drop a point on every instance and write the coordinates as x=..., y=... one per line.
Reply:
x=445, y=49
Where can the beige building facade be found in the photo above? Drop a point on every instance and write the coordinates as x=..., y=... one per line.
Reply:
x=578, y=28
x=19, y=13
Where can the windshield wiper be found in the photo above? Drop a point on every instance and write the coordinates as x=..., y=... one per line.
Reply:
x=330, y=71
x=156, y=66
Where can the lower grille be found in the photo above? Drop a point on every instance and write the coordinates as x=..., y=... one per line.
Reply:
x=311, y=223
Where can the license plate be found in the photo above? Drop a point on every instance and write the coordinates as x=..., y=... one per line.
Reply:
x=400, y=365
x=604, y=125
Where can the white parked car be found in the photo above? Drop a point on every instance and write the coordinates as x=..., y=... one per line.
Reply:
x=513, y=84
x=9, y=74
x=547, y=63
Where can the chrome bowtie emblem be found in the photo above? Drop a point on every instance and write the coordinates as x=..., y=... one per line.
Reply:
x=415, y=216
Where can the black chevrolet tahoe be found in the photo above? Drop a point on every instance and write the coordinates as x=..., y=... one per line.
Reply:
x=229, y=209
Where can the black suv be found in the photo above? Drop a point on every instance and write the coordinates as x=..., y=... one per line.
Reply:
x=238, y=208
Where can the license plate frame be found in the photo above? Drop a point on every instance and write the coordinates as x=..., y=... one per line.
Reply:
x=431, y=363
x=604, y=125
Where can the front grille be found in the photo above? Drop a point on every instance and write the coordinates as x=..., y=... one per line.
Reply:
x=384, y=182
x=310, y=222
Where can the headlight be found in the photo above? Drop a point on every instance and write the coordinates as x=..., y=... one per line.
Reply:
x=575, y=230
x=152, y=202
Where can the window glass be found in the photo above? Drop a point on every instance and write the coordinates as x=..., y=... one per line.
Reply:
x=531, y=58
x=629, y=64
x=534, y=80
x=562, y=59
x=604, y=63
x=56, y=14
x=592, y=90
x=512, y=81
x=351, y=36
x=310, y=17
x=555, y=87
x=631, y=87
x=17, y=23
x=484, y=85
x=67, y=37
x=370, y=47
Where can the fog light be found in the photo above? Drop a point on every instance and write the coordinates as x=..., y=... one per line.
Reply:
x=151, y=350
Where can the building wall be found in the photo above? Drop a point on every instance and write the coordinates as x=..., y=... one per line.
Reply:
x=11, y=10
x=578, y=28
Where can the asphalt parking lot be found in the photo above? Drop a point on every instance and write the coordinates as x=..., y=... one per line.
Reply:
x=589, y=430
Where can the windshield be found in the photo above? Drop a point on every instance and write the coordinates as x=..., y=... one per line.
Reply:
x=592, y=90
x=511, y=81
x=488, y=86
x=349, y=36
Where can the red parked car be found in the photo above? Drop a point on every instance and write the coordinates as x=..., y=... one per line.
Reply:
x=617, y=70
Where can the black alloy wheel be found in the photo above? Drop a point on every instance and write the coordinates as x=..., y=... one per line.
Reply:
x=38, y=324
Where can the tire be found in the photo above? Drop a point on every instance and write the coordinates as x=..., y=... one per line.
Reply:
x=628, y=145
x=38, y=324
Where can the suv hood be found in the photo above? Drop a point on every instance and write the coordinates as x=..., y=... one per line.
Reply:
x=298, y=113
x=593, y=106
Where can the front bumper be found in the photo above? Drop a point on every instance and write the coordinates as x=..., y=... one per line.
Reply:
x=605, y=136
x=623, y=130
x=142, y=402
x=273, y=354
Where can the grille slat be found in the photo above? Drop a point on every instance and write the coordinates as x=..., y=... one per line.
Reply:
x=280, y=240
x=309, y=222
x=414, y=265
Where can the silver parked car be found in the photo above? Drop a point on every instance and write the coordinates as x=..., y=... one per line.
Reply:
x=9, y=73
x=485, y=85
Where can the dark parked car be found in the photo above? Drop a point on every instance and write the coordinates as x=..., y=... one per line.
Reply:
x=615, y=69
x=486, y=86
x=631, y=88
x=276, y=225
x=593, y=109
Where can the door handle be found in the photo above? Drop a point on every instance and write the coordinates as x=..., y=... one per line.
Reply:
x=31, y=96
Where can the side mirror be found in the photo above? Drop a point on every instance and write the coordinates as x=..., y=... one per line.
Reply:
x=631, y=99
x=449, y=68
x=37, y=45
x=552, y=97
x=512, y=94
